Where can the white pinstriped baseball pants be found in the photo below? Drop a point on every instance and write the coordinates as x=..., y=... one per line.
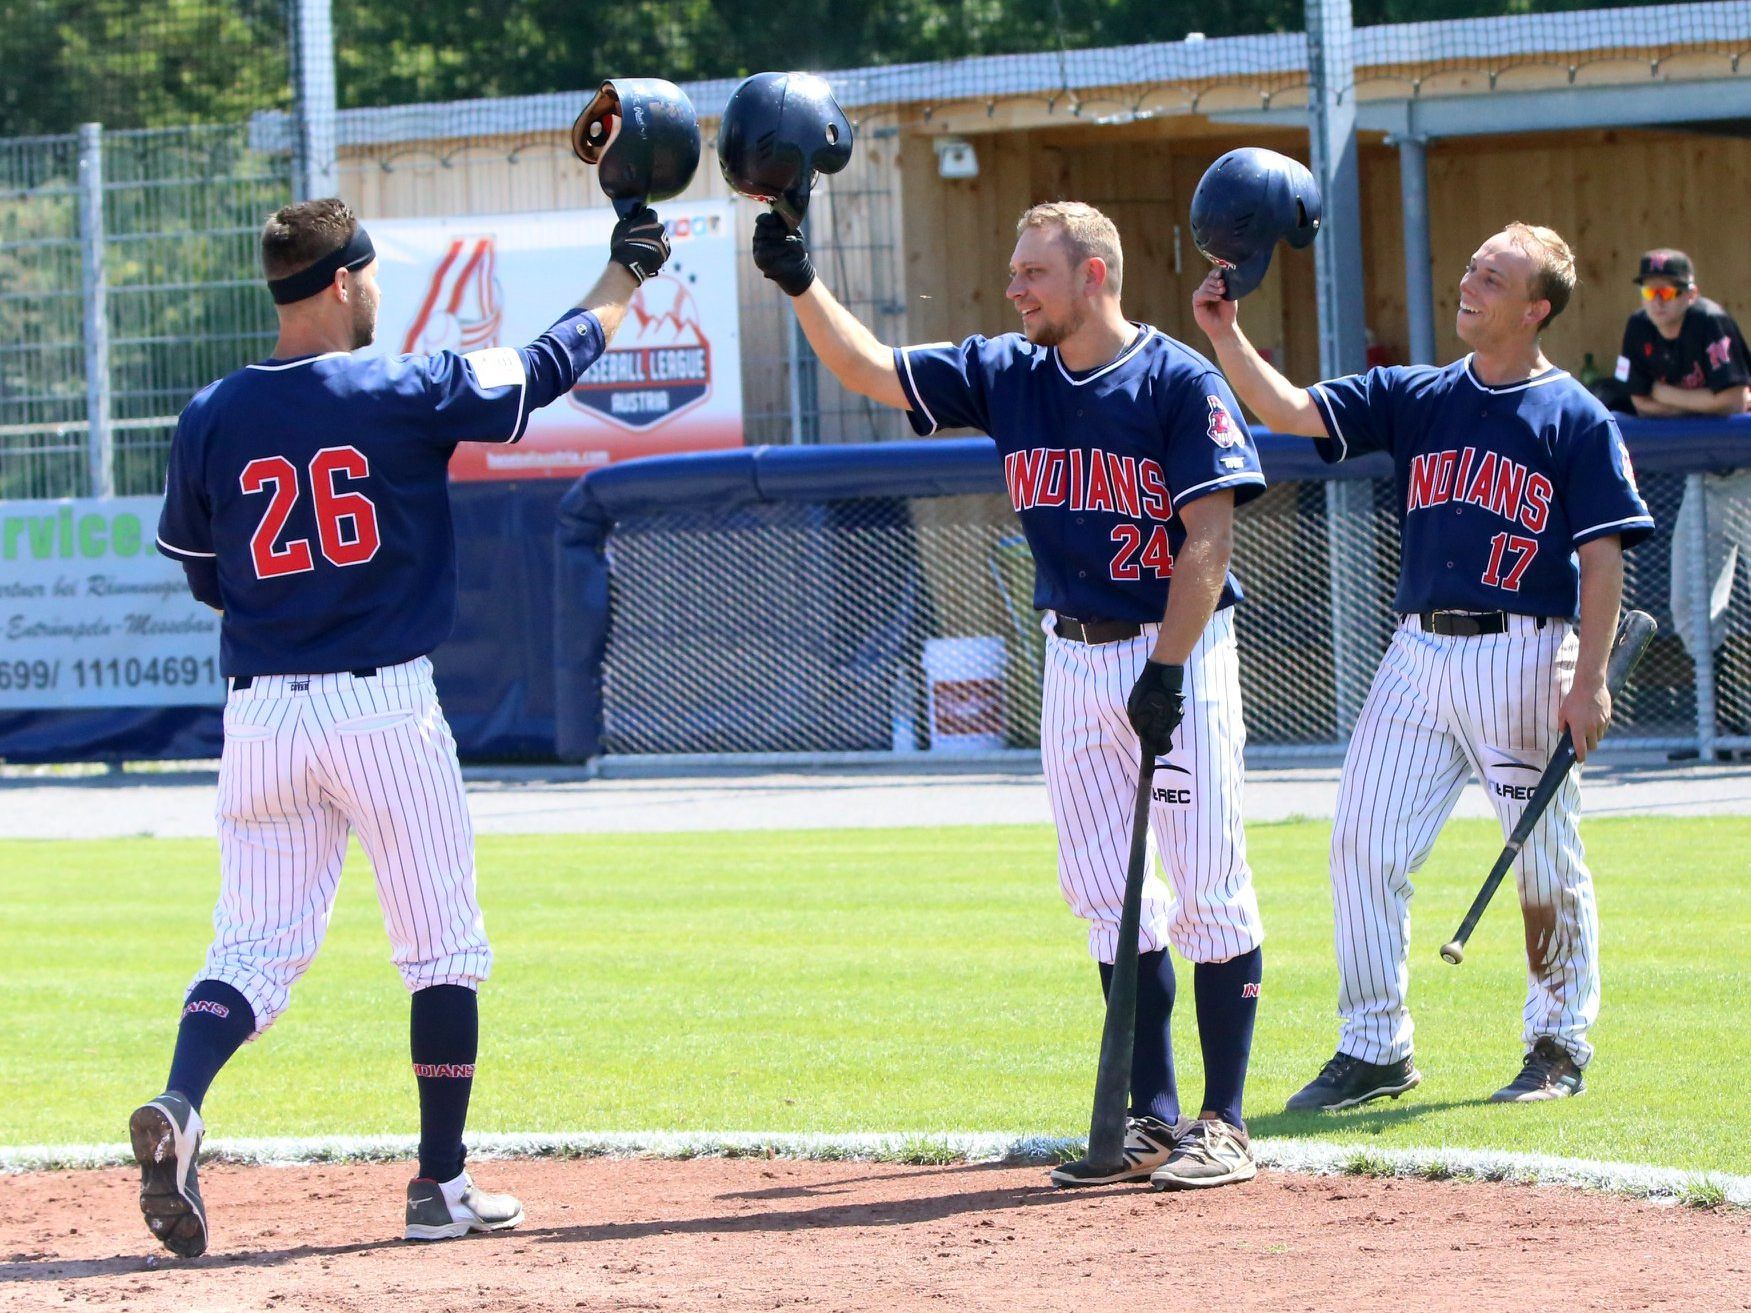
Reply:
x=1440, y=710
x=308, y=758
x=1090, y=754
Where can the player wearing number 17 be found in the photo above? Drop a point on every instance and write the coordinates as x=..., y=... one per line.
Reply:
x=307, y=498
x=1516, y=500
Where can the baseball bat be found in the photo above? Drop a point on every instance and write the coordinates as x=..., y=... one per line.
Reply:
x=1633, y=636
x=1112, y=1082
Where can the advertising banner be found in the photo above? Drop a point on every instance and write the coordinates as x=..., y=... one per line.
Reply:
x=91, y=615
x=671, y=379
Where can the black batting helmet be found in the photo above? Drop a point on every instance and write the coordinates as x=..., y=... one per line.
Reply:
x=779, y=130
x=1244, y=203
x=656, y=151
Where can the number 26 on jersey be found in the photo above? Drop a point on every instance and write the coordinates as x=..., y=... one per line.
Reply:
x=346, y=520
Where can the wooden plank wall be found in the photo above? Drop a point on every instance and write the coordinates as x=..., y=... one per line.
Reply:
x=1611, y=194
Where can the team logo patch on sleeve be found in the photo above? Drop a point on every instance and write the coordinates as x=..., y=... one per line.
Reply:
x=1223, y=431
x=1720, y=352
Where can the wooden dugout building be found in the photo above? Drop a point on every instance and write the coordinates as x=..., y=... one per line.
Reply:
x=1623, y=129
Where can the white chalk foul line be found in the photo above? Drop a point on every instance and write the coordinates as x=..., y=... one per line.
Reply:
x=1313, y=1157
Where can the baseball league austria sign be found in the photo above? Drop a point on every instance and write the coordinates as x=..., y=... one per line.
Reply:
x=670, y=381
x=91, y=615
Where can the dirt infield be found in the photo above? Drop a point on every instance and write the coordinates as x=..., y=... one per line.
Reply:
x=741, y=1234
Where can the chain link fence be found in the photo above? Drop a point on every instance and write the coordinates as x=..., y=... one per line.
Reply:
x=136, y=249
x=894, y=625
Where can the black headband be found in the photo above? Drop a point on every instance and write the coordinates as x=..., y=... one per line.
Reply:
x=356, y=254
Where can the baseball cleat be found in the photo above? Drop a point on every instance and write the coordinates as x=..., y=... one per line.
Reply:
x=1548, y=1072
x=1210, y=1153
x=1148, y=1144
x=166, y=1135
x=1345, y=1082
x=448, y=1209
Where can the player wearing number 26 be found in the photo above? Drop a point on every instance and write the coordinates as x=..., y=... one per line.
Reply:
x=1516, y=500
x=307, y=499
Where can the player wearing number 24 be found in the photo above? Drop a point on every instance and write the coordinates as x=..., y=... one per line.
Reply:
x=1508, y=471
x=307, y=498
x=1124, y=456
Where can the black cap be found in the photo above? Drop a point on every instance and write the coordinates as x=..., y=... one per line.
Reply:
x=1666, y=263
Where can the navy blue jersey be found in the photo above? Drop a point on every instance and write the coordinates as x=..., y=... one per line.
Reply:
x=1097, y=463
x=1497, y=486
x=318, y=490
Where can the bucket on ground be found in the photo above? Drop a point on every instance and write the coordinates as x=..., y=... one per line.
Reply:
x=963, y=679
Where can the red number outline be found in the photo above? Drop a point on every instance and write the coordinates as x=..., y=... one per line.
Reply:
x=332, y=507
x=271, y=562
x=1502, y=543
x=1155, y=553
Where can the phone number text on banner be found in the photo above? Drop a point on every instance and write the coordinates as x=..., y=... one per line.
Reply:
x=91, y=615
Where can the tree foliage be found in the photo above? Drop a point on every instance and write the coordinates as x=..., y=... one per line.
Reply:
x=131, y=64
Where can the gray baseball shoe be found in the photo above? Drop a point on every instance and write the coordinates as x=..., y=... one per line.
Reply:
x=435, y=1212
x=166, y=1135
x=1548, y=1072
x=1209, y=1153
x=1148, y=1142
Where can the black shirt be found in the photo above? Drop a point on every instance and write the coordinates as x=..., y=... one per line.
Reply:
x=1709, y=352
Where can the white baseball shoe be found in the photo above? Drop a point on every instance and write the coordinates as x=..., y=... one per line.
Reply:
x=444, y=1210
x=1148, y=1143
x=1209, y=1153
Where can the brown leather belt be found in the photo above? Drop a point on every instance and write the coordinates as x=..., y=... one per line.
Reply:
x=1096, y=631
x=1466, y=624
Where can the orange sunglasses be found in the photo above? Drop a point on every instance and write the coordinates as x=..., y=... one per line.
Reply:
x=1663, y=293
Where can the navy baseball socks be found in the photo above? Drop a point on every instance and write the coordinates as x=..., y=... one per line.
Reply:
x=1149, y=1130
x=216, y=1020
x=442, y=1202
x=1215, y=1149
x=166, y=1133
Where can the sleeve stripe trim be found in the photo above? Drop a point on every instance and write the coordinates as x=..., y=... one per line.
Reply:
x=1330, y=417
x=1226, y=481
x=911, y=388
x=183, y=551
x=1628, y=522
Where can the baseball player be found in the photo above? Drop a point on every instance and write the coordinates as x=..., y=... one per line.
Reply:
x=1124, y=456
x=307, y=500
x=1508, y=471
x=1684, y=355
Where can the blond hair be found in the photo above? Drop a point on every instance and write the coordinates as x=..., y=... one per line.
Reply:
x=1553, y=279
x=1086, y=232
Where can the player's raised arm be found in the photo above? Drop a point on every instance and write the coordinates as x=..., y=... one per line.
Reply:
x=637, y=250
x=1283, y=407
x=852, y=353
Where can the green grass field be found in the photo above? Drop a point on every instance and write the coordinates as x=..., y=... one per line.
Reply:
x=911, y=980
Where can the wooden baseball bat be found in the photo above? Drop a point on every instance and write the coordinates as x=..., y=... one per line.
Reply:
x=1633, y=635
x=1112, y=1082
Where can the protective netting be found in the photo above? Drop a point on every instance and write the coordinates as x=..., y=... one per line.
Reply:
x=891, y=625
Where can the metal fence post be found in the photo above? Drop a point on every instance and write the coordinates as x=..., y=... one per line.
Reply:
x=1419, y=296
x=100, y=449
x=315, y=170
x=1343, y=340
x=1696, y=596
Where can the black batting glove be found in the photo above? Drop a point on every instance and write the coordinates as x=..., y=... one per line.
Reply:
x=781, y=255
x=1157, y=705
x=638, y=243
